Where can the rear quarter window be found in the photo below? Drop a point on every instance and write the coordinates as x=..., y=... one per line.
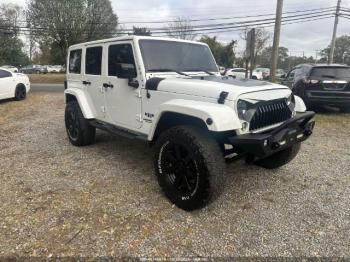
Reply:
x=75, y=61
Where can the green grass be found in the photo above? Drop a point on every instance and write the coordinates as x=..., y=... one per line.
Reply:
x=47, y=78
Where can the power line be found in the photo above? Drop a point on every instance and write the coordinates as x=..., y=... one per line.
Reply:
x=318, y=10
x=228, y=18
x=40, y=33
x=207, y=27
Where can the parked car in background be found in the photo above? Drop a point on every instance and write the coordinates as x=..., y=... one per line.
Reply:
x=258, y=75
x=13, y=85
x=222, y=70
x=321, y=84
x=264, y=71
x=280, y=73
x=54, y=69
x=31, y=69
x=240, y=73
x=12, y=69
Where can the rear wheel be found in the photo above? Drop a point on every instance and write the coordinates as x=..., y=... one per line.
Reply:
x=20, y=92
x=280, y=158
x=79, y=131
x=189, y=167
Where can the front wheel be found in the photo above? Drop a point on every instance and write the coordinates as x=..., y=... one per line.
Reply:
x=189, y=166
x=79, y=131
x=280, y=158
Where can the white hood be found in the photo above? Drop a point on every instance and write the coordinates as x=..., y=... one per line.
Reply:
x=212, y=86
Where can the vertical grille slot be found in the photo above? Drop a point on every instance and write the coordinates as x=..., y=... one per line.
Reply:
x=270, y=113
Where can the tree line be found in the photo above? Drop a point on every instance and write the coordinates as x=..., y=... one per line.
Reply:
x=51, y=26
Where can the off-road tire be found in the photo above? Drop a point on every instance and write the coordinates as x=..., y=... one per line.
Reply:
x=20, y=92
x=207, y=159
x=280, y=158
x=84, y=133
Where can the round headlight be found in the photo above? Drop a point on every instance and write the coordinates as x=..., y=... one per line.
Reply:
x=242, y=108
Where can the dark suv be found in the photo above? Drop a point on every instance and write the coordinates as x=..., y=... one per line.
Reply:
x=321, y=84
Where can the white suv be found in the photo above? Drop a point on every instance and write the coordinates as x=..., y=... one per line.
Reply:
x=170, y=93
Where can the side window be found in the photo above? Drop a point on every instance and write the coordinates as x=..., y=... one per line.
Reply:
x=75, y=61
x=93, y=60
x=291, y=75
x=120, y=58
x=4, y=74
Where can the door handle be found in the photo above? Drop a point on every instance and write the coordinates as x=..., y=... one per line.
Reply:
x=87, y=83
x=105, y=85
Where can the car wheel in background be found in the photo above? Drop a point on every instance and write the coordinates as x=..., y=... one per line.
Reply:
x=20, y=92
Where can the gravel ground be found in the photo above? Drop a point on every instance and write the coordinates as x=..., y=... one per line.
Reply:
x=103, y=200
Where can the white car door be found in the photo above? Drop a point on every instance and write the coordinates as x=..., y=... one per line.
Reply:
x=122, y=100
x=7, y=84
x=94, y=78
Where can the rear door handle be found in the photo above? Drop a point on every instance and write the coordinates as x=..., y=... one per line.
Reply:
x=108, y=85
x=87, y=83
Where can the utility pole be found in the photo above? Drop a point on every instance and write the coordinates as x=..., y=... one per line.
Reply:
x=334, y=37
x=276, y=40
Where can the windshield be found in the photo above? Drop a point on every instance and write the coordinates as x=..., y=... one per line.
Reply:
x=161, y=55
x=331, y=72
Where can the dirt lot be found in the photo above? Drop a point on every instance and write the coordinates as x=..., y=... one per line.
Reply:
x=59, y=200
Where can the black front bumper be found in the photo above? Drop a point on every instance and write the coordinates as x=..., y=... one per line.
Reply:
x=295, y=130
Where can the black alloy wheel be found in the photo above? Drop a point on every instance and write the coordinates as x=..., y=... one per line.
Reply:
x=72, y=125
x=189, y=166
x=180, y=168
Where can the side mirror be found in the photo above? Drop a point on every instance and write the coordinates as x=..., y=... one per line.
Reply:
x=283, y=76
x=133, y=83
x=126, y=71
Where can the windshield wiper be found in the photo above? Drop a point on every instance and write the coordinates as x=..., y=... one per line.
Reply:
x=209, y=73
x=205, y=71
x=168, y=70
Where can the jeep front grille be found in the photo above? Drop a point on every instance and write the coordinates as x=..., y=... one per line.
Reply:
x=270, y=113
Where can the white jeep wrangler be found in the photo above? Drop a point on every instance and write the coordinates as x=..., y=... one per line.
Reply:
x=170, y=93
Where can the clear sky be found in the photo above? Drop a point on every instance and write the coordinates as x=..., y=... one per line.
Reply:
x=307, y=37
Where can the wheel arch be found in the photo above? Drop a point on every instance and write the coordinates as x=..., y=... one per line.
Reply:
x=205, y=115
x=83, y=100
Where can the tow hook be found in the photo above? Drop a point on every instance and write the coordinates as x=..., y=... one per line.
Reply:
x=309, y=129
x=275, y=146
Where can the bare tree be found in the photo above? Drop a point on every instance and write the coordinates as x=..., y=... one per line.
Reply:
x=68, y=22
x=141, y=31
x=181, y=28
x=262, y=38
